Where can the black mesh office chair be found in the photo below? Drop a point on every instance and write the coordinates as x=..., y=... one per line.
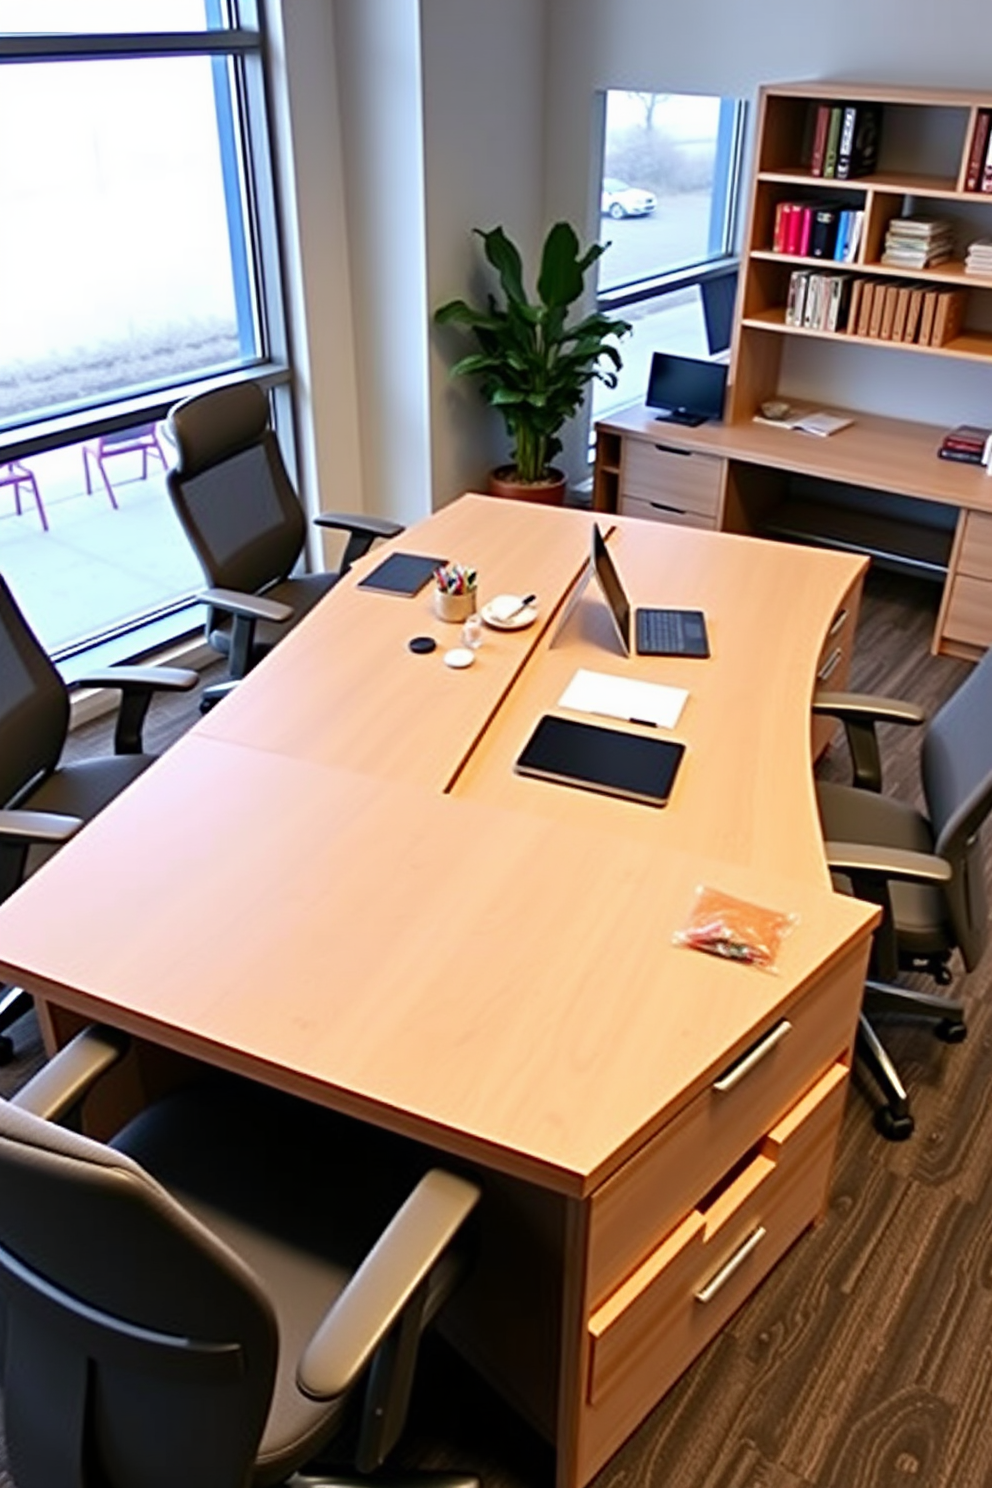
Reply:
x=237, y=505
x=44, y=802
x=195, y=1303
x=926, y=871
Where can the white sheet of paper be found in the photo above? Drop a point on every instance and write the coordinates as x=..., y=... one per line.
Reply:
x=623, y=697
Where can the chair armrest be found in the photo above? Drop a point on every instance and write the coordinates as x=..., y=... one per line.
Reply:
x=48, y=828
x=251, y=606
x=887, y=862
x=137, y=686
x=354, y=522
x=388, y=1278
x=362, y=532
x=859, y=712
x=864, y=706
x=150, y=678
x=63, y=1081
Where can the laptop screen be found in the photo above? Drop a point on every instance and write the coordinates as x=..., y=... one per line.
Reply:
x=611, y=586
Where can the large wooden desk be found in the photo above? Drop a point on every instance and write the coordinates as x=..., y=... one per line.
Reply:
x=337, y=884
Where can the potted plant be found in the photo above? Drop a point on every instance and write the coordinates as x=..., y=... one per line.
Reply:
x=532, y=364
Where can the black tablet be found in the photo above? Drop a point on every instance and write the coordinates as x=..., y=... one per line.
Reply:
x=401, y=573
x=602, y=759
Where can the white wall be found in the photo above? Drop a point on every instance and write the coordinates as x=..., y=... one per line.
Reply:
x=484, y=124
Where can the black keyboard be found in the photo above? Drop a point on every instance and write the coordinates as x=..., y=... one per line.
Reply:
x=671, y=633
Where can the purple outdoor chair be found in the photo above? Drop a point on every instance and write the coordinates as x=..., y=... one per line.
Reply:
x=13, y=473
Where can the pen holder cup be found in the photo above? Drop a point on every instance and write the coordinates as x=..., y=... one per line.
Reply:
x=454, y=607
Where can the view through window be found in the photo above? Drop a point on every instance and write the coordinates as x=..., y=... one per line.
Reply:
x=669, y=191
x=130, y=266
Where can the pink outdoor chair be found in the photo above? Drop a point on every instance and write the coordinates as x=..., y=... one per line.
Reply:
x=141, y=438
x=13, y=473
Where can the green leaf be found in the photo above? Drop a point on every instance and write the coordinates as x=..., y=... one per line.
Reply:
x=505, y=259
x=560, y=279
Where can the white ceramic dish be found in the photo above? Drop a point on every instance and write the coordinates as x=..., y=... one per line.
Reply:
x=500, y=613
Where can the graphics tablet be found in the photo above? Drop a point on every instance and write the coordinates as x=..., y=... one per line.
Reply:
x=401, y=573
x=601, y=759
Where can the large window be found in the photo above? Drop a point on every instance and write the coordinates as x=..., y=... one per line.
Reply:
x=137, y=260
x=671, y=165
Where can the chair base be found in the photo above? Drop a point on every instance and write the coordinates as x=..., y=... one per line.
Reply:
x=410, y=1479
x=14, y=1003
x=893, y=1118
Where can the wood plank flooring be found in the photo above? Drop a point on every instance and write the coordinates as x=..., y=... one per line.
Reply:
x=865, y=1360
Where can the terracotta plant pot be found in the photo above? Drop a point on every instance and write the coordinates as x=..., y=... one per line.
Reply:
x=550, y=492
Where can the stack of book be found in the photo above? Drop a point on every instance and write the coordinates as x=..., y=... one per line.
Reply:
x=844, y=139
x=818, y=230
x=967, y=443
x=979, y=257
x=917, y=242
x=881, y=309
x=817, y=302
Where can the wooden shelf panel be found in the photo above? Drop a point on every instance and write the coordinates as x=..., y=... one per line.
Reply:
x=971, y=345
x=899, y=184
x=952, y=272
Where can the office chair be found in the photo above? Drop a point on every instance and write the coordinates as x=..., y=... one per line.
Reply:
x=925, y=870
x=237, y=505
x=44, y=803
x=196, y=1301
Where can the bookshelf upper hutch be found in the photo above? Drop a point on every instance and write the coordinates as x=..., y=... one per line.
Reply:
x=877, y=486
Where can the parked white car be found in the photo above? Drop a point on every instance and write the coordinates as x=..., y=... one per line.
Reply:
x=621, y=200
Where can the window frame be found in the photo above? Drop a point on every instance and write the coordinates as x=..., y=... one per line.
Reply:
x=245, y=40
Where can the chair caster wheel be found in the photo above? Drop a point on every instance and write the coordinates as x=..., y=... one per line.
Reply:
x=893, y=1128
x=942, y=976
x=6, y=1049
x=951, y=1030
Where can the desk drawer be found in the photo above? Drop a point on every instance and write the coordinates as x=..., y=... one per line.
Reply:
x=969, y=612
x=975, y=557
x=652, y=1193
x=660, y=511
x=680, y=479
x=650, y=1329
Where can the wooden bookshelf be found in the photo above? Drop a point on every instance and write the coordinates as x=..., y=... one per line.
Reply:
x=906, y=506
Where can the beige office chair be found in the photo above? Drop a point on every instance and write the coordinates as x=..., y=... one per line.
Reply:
x=43, y=802
x=196, y=1302
x=927, y=871
x=232, y=494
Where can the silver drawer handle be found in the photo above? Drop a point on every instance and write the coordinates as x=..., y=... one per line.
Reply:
x=838, y=624
x=754, y=1056
x=708, y=1292
x=668, y=449
x=829, y=666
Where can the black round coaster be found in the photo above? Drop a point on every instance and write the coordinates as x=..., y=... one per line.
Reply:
x=423, y=644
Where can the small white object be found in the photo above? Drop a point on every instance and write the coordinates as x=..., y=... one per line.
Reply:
x=458, y=658
x=506, y=612
x=624, y=697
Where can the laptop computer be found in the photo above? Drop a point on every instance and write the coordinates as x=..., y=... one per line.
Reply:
x=657, y=632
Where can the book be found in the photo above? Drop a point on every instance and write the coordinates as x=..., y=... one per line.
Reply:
x=845, y=141
x=820, y=127
x=778, y=231
x=965, y=457
x=867, y=299
x=888, y=312
x=837, y=302
x=823, y=232
x=806, y=420
x=948, y=316
x=862, y=158
x=857, y=288
x=900, y=312
x=927, y=309
x=805, y=228
x=967, y=437
x=854, y=238
x=913, y=313
x=833, y=140
x=793, y=227
x=877, y=309
x=985, y=183
x=979, y=146
x=796, y=298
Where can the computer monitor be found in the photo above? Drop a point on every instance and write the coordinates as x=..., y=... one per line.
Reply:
x=689, y=391
x=719, y=295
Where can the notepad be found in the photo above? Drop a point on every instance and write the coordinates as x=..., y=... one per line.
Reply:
x=610, y=696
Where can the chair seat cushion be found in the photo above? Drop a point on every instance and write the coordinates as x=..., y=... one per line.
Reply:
x=300, y=593
x=300, y=1195
x=82, y=790
x=920, y=911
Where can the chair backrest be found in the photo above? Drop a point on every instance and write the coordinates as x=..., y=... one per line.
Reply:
x=956, y=764
x=231, y=490
x=138, y=1351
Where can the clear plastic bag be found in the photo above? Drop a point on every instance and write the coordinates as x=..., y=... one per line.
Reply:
x=724, y=926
